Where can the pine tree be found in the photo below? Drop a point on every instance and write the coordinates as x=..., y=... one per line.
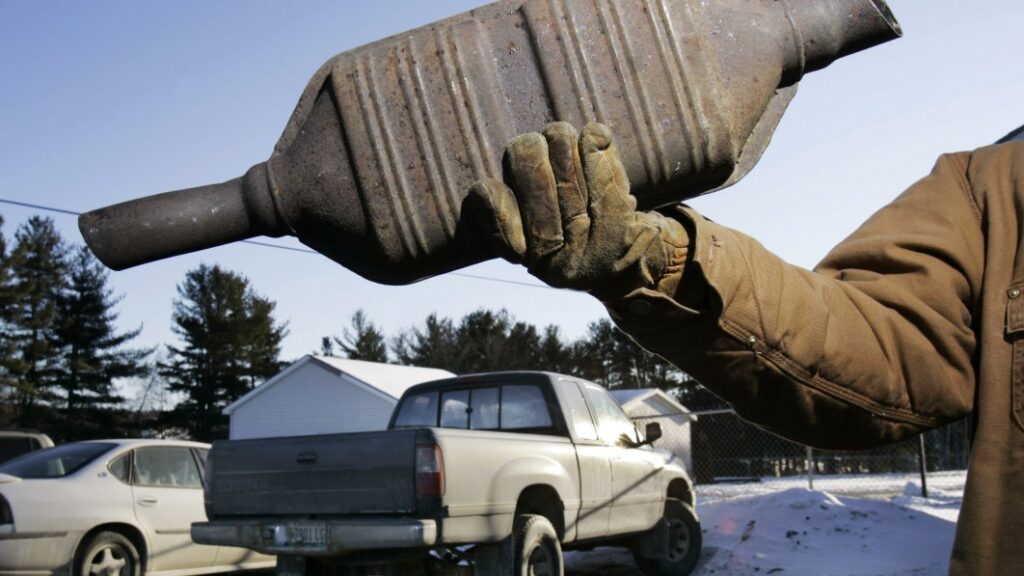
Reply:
x=92, y=353
x=435, y=345
x=262, y=347
x=608, y=356
x=229, y=341
x=363, y=341
x=326, y=346
x=38, y=264
x=483, y=339
x=7, y=348
x=555, y=356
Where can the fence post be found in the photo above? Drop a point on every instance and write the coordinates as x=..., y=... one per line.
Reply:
x=923, y=463
x=810, y=468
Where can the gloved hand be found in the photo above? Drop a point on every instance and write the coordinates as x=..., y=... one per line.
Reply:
x=569, y=216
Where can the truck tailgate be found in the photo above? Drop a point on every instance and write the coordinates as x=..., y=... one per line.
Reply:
x=359, y=473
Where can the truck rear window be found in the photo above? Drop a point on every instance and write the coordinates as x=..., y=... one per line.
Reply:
x=418, y=411
x=508, y=407
x=523, y=406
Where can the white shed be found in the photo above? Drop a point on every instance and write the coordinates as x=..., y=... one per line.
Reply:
x=325, y=395
x=645, y=405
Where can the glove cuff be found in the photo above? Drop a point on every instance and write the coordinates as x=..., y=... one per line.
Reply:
x=660, y=264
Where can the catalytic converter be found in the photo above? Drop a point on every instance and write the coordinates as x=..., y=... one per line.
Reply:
x=386, y=140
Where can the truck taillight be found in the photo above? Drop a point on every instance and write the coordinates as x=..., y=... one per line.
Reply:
x=429, y=470
x=5, y=512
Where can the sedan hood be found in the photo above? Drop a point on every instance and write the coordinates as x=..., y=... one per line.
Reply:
x=8, y=479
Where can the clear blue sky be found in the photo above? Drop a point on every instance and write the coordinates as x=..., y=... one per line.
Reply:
x=105, y=101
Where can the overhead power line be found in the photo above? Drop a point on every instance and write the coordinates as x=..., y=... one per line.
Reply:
x=38, y=207
x=278, y=246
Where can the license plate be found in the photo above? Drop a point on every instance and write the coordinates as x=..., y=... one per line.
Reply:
x=308, y=534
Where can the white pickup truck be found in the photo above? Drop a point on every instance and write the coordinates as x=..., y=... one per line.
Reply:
x=498, y=471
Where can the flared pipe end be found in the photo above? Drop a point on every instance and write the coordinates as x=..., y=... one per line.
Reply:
x=173, y=223
x=831, y=29
x=890, y=19
x=867, y=24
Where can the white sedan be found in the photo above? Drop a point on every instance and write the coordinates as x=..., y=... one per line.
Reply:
x=110, y=508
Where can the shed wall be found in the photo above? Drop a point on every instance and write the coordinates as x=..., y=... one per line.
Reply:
x=311, y=400
x=675, y=429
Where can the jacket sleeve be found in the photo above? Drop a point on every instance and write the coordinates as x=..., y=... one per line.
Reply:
x=874, y=345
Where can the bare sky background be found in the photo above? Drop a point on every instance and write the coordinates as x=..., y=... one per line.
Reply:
x=105, y=101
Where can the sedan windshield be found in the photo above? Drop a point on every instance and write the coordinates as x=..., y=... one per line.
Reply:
x=55, y=462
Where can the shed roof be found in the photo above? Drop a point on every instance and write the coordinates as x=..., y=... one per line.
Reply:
x=665, y=404
x=1016, y=134
x=390, y=380
x=626, y=396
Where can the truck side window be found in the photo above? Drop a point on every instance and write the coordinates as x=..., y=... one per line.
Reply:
x=523, y=406
x=612, y=421
x=582, y=423
x=455, y=409
x=484, y=403
x=418, y=411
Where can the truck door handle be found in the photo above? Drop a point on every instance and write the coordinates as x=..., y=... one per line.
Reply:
x=149, y=500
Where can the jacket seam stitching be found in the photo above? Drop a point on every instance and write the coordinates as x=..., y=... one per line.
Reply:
x=967, y=189
x=829, y=388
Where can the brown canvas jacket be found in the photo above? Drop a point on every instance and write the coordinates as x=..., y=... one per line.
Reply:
x=914, y=321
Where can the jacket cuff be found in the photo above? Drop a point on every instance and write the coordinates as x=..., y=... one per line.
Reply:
x=677, y=301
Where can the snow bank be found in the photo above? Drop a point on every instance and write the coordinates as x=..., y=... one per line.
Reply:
x=800, y=532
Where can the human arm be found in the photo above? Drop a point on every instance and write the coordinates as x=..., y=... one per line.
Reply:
x=874, y=345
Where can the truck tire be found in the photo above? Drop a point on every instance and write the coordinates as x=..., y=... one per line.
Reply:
x=537, y=549
x=108, y=553
x=684, y=543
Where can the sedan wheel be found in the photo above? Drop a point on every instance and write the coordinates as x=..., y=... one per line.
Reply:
x=108, y=554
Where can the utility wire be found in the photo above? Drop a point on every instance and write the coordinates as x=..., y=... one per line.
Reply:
x=280, y=247
x=38, y=207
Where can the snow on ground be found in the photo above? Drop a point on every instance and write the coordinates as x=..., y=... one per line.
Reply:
x=873, y=485
x=770, y=527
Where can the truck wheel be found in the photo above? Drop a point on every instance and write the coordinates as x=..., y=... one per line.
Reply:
x=108, y=554
x=684, y=543
x=537, y=550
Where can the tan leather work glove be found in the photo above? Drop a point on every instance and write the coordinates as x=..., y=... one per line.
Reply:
x=569, y=216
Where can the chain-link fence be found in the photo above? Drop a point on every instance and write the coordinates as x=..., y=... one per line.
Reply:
x=727, y=455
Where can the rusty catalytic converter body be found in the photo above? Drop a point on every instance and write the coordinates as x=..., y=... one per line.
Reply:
x=387, y=139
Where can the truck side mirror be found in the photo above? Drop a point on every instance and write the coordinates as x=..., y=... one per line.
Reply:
x=652, y=432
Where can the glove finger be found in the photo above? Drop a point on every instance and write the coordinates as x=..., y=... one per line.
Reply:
x=534, y=183
x=496, y=212
x=564, y=156
x=605, y=175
